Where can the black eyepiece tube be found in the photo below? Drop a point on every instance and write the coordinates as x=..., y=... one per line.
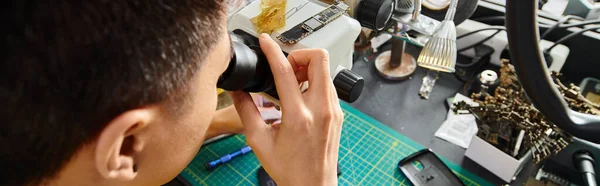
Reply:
x=249, y=71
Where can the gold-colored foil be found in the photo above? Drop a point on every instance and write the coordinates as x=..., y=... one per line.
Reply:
x=271, y=17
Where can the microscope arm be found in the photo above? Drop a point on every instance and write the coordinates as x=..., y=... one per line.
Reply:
x=527, y=58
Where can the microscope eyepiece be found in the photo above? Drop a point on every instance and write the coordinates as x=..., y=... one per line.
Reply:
x=249, y=71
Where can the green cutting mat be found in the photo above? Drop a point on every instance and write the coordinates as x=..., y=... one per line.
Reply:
x=369, y=154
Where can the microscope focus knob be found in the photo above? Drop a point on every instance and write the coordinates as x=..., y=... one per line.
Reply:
x=348, y=85
x=374, y=14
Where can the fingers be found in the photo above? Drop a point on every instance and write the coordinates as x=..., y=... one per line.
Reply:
x=335, y=128
x=317, y=63
x=254, y=126
x=301, y=74
x=334, y=96
x=283, y=73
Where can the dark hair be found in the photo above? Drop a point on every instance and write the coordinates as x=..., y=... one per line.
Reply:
x=70, y=67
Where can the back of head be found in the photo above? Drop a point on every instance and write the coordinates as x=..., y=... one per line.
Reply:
x=70, y=66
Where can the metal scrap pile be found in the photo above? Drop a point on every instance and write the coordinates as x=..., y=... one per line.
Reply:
x=507, y=113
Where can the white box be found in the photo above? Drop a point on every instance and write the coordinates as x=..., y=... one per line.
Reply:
x=494, y=160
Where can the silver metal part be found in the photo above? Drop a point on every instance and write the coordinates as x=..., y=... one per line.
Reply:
x=424, y=25
x=342, y=6
x=317, y=17
x=451, y=10
x=313, y=23
x=488, y=77
x=428, y=83
x=417, y=10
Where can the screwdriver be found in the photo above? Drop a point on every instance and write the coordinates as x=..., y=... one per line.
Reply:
x=224, y=159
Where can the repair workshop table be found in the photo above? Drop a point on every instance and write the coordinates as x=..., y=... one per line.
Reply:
x=398, y=105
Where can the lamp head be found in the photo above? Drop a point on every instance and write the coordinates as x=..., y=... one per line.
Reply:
x=439, y=53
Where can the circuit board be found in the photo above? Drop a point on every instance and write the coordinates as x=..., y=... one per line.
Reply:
x=312, y=24
x=369, y=155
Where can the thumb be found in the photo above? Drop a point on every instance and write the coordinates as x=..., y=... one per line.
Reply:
x=254, y=126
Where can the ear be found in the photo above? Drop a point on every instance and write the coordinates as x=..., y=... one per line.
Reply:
x=119, y=142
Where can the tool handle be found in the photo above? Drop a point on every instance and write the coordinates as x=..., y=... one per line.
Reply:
x=246, y=150
x=226, y=158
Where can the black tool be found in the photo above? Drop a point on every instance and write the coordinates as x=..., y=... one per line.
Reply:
x=375, y=14
x=584, y=162
x=425, y=168
x=249, y=71
x=265, y=180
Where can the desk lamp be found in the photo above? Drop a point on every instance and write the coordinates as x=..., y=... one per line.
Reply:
x=439, y=53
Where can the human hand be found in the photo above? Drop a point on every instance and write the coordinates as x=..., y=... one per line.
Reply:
x=303, y=148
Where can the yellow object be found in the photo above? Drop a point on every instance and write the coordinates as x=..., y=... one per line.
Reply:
x=593, y=97
x=271, y=17
x=219, y=91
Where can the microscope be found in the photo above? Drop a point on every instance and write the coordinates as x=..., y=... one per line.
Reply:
x=334, y=26
x=248, y=69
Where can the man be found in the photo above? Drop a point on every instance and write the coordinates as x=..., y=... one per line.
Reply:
x=122, y=92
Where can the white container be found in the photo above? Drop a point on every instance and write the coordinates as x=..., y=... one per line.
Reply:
x=337, y=37
x=494, y=160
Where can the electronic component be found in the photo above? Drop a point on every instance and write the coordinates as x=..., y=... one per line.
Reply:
x=575, y=98
x=313, y=24
x=428, y=83
x=508, y=120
